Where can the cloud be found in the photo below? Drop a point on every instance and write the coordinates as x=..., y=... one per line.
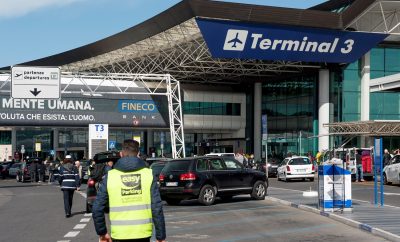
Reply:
x=16, y=8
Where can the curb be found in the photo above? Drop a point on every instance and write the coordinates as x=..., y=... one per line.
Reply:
x=353, y=223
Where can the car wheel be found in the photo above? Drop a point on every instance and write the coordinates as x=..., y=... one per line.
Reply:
x=311, y=179
x=259, y=190
x=88, y=208
x=172, y=201
x=286, y=179
x=207, y=195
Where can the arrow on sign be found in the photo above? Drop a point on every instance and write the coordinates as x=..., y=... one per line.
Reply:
x=35, y=92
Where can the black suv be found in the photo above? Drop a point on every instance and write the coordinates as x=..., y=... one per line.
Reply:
x=204, y=178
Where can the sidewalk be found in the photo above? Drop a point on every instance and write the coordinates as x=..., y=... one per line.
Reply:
x=384, y=222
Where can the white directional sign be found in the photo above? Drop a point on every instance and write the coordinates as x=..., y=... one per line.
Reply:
x=35, y=82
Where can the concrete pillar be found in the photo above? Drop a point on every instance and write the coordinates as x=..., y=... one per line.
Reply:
x=150, y=141
x=257, y=120
x=323, y=109
x=365, y=102
x=55, y=138
x=14, y=140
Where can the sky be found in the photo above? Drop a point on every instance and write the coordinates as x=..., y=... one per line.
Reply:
x=33, y=29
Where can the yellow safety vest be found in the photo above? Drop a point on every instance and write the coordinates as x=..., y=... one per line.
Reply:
x=130, y=203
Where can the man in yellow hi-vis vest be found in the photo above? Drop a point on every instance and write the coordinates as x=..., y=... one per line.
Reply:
x=132, y=195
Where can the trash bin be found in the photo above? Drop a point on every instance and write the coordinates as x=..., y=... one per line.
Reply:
x=334, y=188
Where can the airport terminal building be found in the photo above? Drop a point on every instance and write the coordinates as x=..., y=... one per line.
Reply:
x=250, y=76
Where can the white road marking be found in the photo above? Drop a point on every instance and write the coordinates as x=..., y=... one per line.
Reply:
x=84, y=220
x=64, y=241
x=80, y=226
x=391, y=194
x=72, y=234
x=82, y=194
x=88, y=215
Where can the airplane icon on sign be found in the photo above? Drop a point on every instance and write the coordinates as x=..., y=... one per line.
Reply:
x=235, y=41
x=18, y=74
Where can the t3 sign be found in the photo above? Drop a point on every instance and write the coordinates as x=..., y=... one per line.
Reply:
x=228, y=39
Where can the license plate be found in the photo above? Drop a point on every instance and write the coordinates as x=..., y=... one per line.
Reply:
x=172, y=184
x=302, y=170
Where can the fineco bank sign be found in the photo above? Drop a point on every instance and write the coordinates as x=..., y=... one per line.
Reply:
x=228, y=39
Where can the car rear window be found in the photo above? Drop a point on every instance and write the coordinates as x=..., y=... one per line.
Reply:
x=300, y=161
x=177, y=165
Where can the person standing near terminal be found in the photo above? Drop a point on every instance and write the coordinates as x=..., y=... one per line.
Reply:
x=69, y=180
x=386, y=158
x=359, y=168
x=131, y=192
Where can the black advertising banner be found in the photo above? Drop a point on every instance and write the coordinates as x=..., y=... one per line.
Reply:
x=73, y=111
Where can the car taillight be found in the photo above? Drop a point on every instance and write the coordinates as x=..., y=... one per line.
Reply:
x=161, y=177
x=187, y=177
x=91, y=183
x=312, y=168
x=287, y=168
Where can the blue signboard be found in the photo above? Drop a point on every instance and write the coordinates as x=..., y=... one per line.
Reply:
x=229, y=39
x=112, y=144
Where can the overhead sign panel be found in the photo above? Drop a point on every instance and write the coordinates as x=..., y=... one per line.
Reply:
x=229, y=39
x=35, y=82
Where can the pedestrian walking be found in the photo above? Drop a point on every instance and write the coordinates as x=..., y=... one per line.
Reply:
x=79, y=167
x=69, y=180
x=131, y=193
x=33, y=171
x=41, y=171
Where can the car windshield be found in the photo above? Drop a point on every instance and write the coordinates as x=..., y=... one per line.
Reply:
x=178, y=165
x=300, y=161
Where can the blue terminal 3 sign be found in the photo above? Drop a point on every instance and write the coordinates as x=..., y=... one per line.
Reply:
x=228, y=39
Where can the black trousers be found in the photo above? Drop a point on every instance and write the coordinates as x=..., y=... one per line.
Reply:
x=132, y=240
x=68, y=197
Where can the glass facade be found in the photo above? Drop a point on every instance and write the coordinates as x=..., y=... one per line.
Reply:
x=211, y=108
x=289, y=106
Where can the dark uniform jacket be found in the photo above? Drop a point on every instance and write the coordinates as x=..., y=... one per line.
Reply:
x=128, y=164
x=69, y=177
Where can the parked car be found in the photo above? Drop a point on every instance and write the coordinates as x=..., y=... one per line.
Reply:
x=12, y=172
x=94, y=178
x=296, y=167
x=273, y=165
x=205, y=178
x=6, y=167
x=23, y=173
x=391, y=172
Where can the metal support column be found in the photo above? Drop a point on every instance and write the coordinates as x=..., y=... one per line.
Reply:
x=14, y=141
x=257, y=120
x=365, y=92
x=323, y=110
